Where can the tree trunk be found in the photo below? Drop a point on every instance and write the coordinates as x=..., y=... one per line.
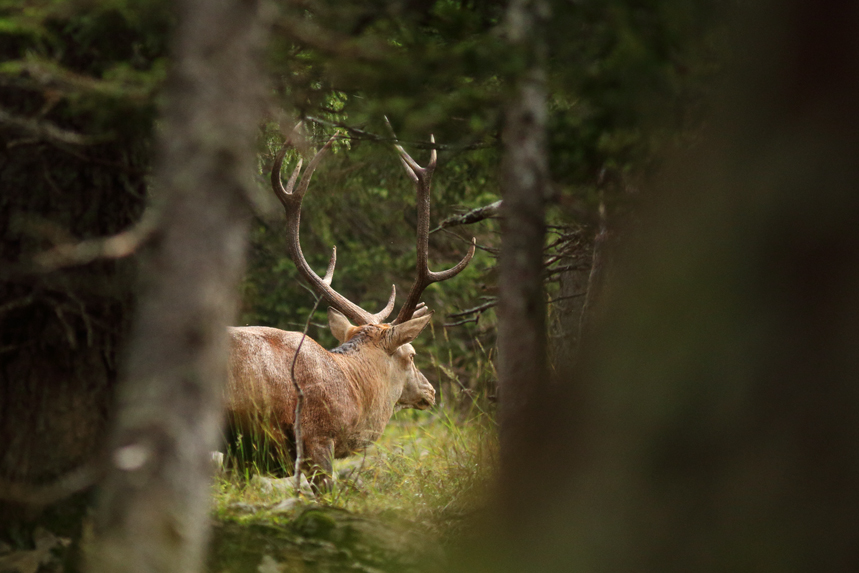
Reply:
x=153, y=508
x=522, y=369
x=714, y=424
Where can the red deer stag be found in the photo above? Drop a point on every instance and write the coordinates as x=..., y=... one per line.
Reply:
x=350, y=391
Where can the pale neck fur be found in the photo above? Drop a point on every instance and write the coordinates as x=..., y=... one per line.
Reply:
x=372, y=385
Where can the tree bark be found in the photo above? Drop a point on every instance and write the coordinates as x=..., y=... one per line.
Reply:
x=61, y=329
x=522, y=368
x=714, y=422
x=152, y=511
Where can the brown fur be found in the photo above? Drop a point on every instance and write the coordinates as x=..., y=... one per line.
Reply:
x=350, y=392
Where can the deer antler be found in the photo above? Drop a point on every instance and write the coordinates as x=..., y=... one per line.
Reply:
x=291, y=198
x=422, y=177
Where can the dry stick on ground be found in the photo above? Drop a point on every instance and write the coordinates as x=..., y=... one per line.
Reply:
x=299, y=403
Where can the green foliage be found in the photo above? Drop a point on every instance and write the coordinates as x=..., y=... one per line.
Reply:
x=86, y=63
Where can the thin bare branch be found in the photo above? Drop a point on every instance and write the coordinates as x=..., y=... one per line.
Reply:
x=18, y=303
x=476, y=310
x=566, y=297
x=564, y=269
x=364, y=135
x=47, y=131
x=491, y=250
x=71, y=483
x=473, y=319
x=490, y=211
x=299, y=403
x=595, y=276
x=115, y=247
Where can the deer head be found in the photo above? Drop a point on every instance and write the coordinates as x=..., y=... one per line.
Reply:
x=409, y=386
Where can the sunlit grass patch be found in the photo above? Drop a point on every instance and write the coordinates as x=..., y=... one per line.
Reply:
x=427, y=467
x=392, y=507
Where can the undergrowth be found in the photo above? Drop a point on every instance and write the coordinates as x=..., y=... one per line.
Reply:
x=431, y=467
x=423, y=479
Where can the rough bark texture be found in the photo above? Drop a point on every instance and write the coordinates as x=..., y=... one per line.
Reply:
x=61, y=330
x=714, y=425
x=153, y=507
x=522, y=369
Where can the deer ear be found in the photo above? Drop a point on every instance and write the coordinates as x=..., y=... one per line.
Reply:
x=339, y=325
x=404, y=333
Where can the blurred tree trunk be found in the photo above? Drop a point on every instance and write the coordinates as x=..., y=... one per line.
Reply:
x=714, y=422
x=522, y=369
x=153, y=508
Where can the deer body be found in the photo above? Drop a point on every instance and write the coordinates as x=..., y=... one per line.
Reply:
x=349, y=392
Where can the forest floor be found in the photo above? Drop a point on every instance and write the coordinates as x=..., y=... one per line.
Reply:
x=400, y=506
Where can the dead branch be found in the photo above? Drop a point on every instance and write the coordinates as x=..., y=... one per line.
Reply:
x=490, y=211
x=476, y=310
x=559, y=270
x=566, y=297
x=491, y=250
x=46, y=131
x=16, y=303
x=597, y=263
x=73, y=482
x=358, y=134
x=473, y=319
x=115, y=247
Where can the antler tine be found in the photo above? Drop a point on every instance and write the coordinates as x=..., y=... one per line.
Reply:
x=276, y=185
x=386, y=312
x=329, y=273
x=292, y=204
x=311, y=167
x=422, y=177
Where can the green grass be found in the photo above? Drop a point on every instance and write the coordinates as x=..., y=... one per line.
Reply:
x=401, y=501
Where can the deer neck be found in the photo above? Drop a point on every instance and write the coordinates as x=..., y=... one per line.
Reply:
x=369, y=374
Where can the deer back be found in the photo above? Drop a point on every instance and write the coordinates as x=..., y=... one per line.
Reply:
x=260, y=382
